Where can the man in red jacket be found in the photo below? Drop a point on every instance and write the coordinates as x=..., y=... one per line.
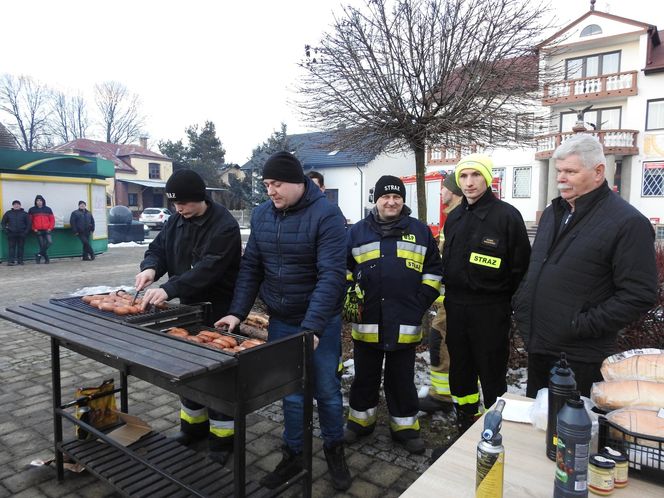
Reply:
x=43, y=222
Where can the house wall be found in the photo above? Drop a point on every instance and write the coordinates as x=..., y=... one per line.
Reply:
x=140, y=164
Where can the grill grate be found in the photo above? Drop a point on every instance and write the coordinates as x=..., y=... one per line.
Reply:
x=76, y=303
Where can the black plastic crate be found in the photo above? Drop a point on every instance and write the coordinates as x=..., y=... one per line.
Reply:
x=644, y=453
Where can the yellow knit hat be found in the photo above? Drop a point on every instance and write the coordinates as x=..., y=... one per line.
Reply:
x=479, y=162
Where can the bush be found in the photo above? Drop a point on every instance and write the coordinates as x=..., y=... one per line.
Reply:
x=648, y=331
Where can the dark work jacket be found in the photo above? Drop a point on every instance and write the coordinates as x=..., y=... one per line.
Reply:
x=201, y=256
x=16, y=223
x=486, y=251
x=593, y=278
x=399, y=273
x=82, y=222
x=295, y=260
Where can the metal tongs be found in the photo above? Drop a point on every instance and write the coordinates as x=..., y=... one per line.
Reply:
x=134, y=299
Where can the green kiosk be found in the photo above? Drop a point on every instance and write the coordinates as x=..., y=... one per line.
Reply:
x=63, y=181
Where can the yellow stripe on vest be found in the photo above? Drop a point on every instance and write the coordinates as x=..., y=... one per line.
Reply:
x=484, y=260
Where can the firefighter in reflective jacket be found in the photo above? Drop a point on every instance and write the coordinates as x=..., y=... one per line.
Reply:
x=395, y=272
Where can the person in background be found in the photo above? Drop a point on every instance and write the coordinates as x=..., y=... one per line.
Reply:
x=82, y=223
x=199, y=248
x=318, y=179
x=592, y=270
x=295, y=260
x=43, y=223
x=16, y=223
x=484, y=258
x=395, y=271
x=440, y=397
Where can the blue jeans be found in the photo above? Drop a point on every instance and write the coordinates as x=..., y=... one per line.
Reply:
x=327, y=386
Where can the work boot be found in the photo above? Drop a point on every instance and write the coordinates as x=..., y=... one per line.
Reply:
x=336, y=465
x=290, y=465
x=186, y=438
x=220, y=457
x=37, y=258
x=46, y=259
x=20, y=263
x=465, y=421
x=352, y=437
x=436, y=453
x=10, y=263
x=430, y=404
x=92, y=256
x=414, y=445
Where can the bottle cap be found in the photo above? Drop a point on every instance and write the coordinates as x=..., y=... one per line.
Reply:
x=602, y=462
x=614, y=455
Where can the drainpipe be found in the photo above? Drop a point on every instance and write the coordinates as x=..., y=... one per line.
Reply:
x=361, y=191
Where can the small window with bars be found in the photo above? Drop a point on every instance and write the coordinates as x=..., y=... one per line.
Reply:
x=521, y=183
x=653, y=179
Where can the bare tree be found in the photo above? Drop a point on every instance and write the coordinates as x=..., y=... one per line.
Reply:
x=69, y=119
x=25, y=101
x=402, y=74
x=120, y=112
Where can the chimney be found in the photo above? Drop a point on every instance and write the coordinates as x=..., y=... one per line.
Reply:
x=143, y=142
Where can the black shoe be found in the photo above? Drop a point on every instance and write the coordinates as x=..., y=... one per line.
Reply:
x=352, y=437
x=37, y=258
x=220, y=457
x=20, y=263
x=289, y=467
x=438, y=452
x=92, y=257
x=465, y=421
x=185, y=438
x=432, y=405
x=46, y=259
x=10, y=263
x=85, y=259
x=337, y=467
x=415, y=445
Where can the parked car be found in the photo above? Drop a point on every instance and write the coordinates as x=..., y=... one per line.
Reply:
x=154, y=217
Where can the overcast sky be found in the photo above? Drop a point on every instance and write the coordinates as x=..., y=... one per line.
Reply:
x=233, y=63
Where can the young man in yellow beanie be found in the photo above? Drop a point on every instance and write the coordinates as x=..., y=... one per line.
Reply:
x=485, y=256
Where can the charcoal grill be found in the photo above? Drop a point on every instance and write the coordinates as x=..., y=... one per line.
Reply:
x=236, y=384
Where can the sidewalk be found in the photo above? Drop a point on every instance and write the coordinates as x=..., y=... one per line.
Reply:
x=26, y=430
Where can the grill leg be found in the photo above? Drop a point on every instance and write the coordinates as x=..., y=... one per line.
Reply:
x=57, y=401
x=307, y=421
x=124, y=399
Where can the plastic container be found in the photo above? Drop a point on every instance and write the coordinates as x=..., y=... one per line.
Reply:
x=574, y=431
x=621, y=471
x=561, y=386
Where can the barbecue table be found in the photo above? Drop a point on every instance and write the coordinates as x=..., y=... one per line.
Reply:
x=235, y=384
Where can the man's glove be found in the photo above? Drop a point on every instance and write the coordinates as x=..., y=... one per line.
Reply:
x=353, y=304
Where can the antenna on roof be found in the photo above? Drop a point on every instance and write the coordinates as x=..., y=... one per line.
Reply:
x=592, y=5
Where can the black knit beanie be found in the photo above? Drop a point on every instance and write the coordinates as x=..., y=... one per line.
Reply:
x=450, y=183
x=389, y=184
x=185, y=185
x=283, y=167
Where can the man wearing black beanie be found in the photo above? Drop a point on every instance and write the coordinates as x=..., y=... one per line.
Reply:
x=199, y=248
x=295, y=261
x=396, y=274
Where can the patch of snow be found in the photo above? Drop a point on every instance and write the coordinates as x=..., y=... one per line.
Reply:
x=101, y=289
x=130, y=244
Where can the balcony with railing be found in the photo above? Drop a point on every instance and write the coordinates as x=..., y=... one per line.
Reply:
x=584, y=89
x=615, y=142
x=441, y=156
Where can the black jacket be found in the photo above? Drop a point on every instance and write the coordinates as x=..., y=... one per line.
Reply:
x=590, y=280
x=486, y=251
x=16, y=223
x=201, y=256
x=296, y=260
x=82, y=222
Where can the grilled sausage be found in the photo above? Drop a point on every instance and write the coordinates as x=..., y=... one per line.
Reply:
x=178, y=332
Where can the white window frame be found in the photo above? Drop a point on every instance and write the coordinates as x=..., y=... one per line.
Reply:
x=653, y=179
x=517, y=180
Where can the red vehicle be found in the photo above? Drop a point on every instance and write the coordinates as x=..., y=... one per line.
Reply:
x=435, y=207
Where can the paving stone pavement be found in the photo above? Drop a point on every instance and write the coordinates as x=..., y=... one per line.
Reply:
x=379, y=468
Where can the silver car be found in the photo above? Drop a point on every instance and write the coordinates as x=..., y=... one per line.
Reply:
x=154, y=217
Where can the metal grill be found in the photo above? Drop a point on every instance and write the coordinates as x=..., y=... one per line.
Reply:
x=151, y=315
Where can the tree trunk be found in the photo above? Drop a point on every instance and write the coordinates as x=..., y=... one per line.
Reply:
x=421, y=186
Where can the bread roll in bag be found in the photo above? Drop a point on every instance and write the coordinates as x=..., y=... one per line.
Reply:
x=647, y=422
x=620, y=394
x=635, y=364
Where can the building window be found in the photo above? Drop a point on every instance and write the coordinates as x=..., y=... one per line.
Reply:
x=594, y=119
x=655, y=115
x=521, y=182
x=591, y=29
x=653, y=179
x=436, y=154
x=332, y=195
x=132, y=199
x=524, y=126
x=154, y=171
x=592, y=65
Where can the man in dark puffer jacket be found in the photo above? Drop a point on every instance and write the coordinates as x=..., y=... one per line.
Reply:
x=295, y=260
x=592, y=270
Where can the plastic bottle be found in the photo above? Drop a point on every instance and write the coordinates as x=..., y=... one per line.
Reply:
x=574, y=428
x=561, y=386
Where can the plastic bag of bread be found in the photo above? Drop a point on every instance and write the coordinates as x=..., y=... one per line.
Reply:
x=257, y=321
x=645, y=421
x=620, y=394
x=635, y=364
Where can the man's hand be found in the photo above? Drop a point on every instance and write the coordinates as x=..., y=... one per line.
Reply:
x=153, y=296
x=145, y=278
x=316, y=342
x=230, y=320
